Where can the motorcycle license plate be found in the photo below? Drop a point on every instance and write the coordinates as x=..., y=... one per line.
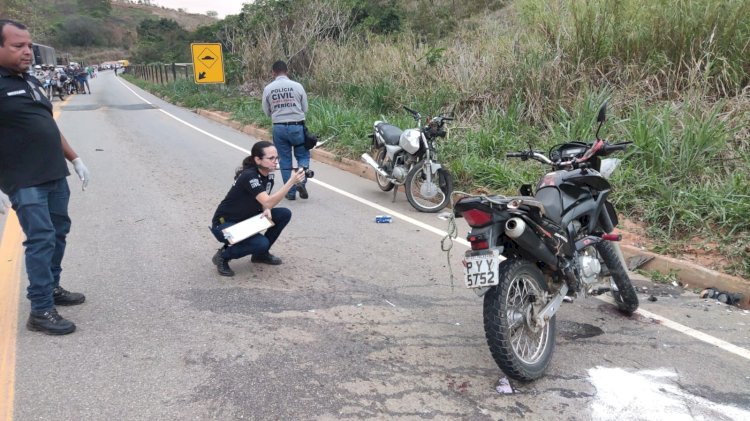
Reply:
x=482, y=268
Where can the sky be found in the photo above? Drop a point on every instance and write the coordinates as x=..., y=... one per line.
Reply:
x=223, y=7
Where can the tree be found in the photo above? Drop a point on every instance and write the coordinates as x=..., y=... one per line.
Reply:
x=162, y=40
x=212, y=13
x=81, y=31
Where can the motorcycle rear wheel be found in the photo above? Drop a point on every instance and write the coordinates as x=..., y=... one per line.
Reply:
x=415, y=181
x=624, y=295
x=520, y=347
x=383, y=182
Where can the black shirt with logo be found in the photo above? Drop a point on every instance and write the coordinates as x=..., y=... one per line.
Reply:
x=31, y=150
x=241, y=203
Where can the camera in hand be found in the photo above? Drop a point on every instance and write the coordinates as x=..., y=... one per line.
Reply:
x=308, y=172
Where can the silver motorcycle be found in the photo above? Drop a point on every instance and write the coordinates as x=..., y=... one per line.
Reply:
x=409, y=158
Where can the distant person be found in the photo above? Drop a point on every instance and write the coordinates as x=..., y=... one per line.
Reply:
x=250, y=196
x=285, y=101
x=83, y=80
x=33, y=179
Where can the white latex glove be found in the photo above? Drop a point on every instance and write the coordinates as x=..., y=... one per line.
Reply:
x=4, y=202
x=82, y=171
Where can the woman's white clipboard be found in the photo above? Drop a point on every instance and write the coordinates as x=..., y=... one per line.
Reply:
x=246, y=228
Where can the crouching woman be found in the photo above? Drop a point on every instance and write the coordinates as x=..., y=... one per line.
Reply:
x=249, y=196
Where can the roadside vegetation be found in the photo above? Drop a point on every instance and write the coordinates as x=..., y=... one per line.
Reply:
x=525, y=73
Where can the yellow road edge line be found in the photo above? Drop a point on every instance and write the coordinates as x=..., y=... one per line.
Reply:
x=10, y=282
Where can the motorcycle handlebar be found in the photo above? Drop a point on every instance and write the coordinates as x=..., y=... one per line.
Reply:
x=616, y=147
x=515, y=154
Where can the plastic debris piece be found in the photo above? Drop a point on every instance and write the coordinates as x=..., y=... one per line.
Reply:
x=568, y=299
x=637, y=261
x=445, y=216
x=503, y=386
x=458, y=324
x=383, y=219
x=652, y=298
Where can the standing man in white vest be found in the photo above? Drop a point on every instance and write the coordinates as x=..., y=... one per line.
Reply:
x=285, y=101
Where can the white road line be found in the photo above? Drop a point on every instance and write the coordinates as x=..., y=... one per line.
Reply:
x=726, y=346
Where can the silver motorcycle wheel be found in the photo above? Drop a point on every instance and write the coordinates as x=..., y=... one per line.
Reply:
x=520, y=347
x=527, y=339
x=429, y=196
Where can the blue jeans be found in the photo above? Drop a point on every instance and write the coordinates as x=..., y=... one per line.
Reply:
x=43, y=214
x=288, y=139
x=258, y=244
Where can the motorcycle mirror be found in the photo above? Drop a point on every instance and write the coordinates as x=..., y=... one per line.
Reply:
x=602, y=117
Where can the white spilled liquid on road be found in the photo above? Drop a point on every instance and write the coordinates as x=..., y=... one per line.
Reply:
x=652, y=395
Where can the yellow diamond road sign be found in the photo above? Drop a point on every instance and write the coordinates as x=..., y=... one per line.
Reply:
x=208, y=64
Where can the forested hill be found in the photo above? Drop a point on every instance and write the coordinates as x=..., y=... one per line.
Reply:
x=96, y=30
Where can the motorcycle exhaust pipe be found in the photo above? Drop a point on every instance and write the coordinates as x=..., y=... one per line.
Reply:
x=516, y=229
x=368, y=159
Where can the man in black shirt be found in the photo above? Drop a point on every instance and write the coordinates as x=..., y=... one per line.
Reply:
x=249, y=196
x=33, y=176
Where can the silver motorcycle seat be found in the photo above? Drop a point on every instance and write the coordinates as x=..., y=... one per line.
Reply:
x=389, y=133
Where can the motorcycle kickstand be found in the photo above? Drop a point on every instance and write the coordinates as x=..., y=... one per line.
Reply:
x=395, y=191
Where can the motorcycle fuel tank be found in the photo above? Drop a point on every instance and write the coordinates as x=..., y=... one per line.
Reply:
x=409, y=140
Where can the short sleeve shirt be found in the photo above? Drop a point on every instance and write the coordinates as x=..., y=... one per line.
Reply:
x=240, y=202
x=30, y=145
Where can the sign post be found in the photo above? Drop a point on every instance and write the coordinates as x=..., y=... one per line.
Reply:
x=208, y=63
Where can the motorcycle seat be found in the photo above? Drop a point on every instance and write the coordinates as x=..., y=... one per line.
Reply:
x=390, y=133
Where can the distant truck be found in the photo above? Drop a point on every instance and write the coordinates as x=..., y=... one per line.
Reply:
x=44, y=54
x=123, y=63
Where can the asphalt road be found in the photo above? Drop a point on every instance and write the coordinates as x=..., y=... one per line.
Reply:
x=360, y=321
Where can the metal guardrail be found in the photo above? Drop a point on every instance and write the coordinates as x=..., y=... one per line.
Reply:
x=162, y=73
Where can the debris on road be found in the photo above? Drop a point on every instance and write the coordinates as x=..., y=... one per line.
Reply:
x=637, y=261
x=723, y=297
x=652, y=298
x=503, y=386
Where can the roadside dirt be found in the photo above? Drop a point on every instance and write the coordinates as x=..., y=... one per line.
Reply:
x=704, y=254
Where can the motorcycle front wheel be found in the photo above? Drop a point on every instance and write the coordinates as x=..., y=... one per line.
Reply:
x=519, y=346
x=622, y=290
x=382, y=181
x=432, y=196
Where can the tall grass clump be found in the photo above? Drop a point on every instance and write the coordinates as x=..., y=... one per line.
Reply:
x=667, y=39
x=683, y=174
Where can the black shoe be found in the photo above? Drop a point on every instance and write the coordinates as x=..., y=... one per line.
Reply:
x=268, y=259
x=291, y=196
x=64, y=297
x=50, y=323
x=302, y=191
x=222, y=264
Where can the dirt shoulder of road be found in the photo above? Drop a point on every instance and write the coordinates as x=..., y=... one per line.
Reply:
x=693, y=274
